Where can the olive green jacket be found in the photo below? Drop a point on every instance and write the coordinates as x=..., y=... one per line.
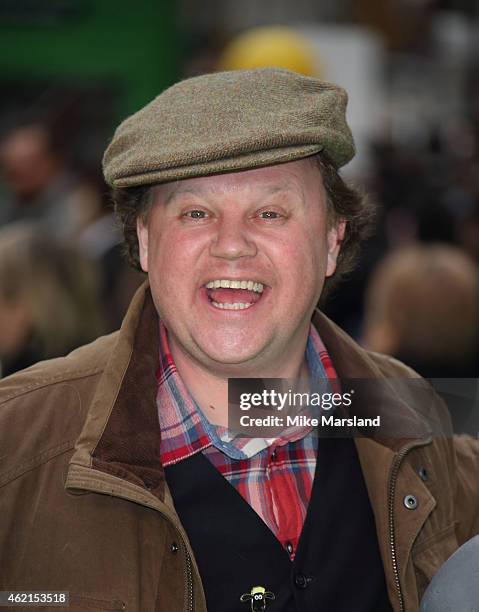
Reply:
x=84, y=506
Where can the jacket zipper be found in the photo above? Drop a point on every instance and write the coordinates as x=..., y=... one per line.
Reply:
x=189, y=599
x=189, y=579
x=392, y=532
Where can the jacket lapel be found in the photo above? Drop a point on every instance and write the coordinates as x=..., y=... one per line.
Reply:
x=121, y=435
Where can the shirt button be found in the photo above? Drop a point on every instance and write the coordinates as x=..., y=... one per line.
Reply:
x=301, y=581
x=289, y=548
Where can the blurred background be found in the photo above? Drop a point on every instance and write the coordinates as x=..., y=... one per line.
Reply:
x=71, y=70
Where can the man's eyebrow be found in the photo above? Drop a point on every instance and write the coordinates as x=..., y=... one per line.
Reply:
x=286, y=187
x=273, y=189
x=177, y=191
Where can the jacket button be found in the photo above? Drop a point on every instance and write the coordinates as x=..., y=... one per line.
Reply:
x=301, y=581
x=423, y=473
x=410, y=502
x=174, y=547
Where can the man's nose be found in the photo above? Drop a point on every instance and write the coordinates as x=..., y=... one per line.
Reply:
x=232, y=240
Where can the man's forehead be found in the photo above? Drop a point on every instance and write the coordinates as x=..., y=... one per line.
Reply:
x=291, y=176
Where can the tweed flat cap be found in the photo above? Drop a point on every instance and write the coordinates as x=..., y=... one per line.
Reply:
x=229, y=121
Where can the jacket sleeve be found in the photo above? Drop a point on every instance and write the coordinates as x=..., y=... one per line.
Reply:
x=467, y=487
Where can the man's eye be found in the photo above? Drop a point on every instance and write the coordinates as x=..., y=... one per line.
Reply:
x=269, y=214
x=195, y=214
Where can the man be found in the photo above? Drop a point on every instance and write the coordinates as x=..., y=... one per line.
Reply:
x=122, y=481
x=40, y=184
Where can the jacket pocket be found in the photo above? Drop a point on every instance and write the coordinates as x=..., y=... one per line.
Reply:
x=431, y=554
x=85, y=602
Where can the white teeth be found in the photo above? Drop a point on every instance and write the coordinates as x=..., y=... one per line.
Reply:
x=235, y=306
x=235, y=284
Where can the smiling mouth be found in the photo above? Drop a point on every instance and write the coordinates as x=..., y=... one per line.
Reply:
x=227, y=294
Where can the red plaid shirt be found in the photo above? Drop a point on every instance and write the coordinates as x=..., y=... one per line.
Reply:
x=274, y=477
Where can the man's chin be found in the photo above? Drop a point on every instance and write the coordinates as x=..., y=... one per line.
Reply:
x=232, y=360
x=239, y=362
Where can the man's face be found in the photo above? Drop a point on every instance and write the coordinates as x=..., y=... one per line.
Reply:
x=266, y=228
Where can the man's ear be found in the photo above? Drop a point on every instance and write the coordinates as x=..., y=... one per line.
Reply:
x=142, y=233
x=335, y=238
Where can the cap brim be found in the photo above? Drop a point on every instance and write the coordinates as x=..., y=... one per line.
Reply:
x=249, y=161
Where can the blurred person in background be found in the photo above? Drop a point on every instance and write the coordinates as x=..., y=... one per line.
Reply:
x=102, y=243
x=40, y=184
x=44, y=187
x=48, y=297
x=422, y=306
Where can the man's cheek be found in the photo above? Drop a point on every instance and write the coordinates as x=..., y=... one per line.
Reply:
x=167, y=253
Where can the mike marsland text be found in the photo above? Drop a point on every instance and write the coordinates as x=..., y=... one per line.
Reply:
x=326, y=420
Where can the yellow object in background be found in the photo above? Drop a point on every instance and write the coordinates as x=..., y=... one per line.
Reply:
x=270, y=46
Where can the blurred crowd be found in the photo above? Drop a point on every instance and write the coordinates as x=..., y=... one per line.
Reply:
x=63, y=281
x=415, y=294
